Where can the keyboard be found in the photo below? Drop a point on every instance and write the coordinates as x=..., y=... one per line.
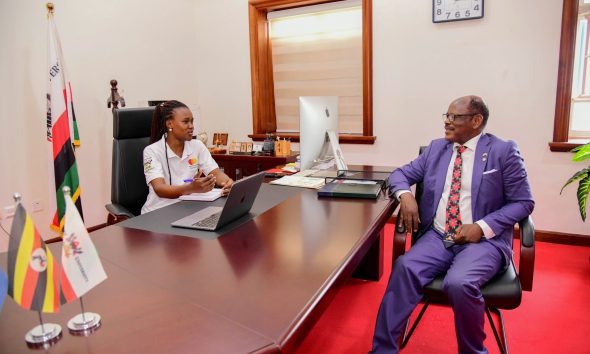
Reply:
x=209, y=222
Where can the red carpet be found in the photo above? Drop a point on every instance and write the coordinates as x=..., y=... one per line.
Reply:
x=553, y=318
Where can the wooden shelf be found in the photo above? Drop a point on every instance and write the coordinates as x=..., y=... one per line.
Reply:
x=238, y=166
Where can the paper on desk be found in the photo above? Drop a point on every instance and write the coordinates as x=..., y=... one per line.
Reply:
x=357, y=181
x=204, y=197
x=298, y=181
x=305, y=173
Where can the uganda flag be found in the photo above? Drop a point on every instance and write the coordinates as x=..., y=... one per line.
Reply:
x=62, y=130
x=32, y=271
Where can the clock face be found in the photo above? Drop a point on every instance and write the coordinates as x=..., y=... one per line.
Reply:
x=456, y=10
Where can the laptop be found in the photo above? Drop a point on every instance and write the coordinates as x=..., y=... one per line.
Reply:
x=239, y=202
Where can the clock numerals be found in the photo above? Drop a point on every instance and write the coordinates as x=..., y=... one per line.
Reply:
x=456, y=10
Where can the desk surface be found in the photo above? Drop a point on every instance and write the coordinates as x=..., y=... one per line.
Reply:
x=258, y=288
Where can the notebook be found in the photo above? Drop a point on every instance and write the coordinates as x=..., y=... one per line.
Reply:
x=204, y=197
x=239, y=201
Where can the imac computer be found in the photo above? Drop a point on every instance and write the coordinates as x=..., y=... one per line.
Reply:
x=318, y=134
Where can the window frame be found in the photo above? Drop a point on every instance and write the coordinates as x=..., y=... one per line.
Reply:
x=569, y=22
x=263, y=105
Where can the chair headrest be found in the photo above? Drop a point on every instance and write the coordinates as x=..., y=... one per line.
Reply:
x=129, y=123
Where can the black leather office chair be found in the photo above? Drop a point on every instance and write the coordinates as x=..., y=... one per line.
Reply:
x=131, y=134
x=504, y=291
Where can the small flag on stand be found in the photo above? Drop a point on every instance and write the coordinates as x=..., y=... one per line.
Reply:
x=32, y=275
x=62, y=130
x=32, y=270
x=81, y=267
x=3, y=287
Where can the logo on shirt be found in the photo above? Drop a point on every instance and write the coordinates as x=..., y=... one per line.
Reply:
x=147, y=165
x=192, y=161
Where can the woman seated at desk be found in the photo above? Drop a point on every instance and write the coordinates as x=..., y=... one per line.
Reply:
x=174, y=163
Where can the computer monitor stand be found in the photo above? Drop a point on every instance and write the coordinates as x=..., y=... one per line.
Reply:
x=330, y=156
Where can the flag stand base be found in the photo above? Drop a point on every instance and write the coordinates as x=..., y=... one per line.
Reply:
x=43, y=335
x=84, y=324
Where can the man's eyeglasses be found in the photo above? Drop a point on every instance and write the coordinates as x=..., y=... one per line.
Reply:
x=451, y=117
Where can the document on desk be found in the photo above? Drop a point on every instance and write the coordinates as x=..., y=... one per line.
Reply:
x=203, y=197
x=298, y=181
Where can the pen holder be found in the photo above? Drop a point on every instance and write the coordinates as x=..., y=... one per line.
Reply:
x=282, y=148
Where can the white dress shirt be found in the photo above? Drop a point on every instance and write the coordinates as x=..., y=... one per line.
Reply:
x=465, y=192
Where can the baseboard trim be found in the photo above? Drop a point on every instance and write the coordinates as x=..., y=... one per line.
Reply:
x=90, y=229
x=96, y=227
x=546, y=236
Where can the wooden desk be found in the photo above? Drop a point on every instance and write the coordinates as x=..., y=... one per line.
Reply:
x=246, y=165
x=257, y=289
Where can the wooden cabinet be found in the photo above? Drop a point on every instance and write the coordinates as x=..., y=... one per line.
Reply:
x=238, y=166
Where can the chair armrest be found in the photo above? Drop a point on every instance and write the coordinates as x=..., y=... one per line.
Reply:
x=117, y=213
x=526, y=265
x=399, y=240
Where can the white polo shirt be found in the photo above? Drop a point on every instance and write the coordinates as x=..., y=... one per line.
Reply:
x=195, y=156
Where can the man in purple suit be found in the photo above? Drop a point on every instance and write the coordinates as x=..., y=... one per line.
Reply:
x=475, y=190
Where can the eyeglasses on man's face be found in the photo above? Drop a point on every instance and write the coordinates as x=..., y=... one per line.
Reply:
x=451, y=117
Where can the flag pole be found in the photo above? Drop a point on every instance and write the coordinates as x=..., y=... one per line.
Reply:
x=50, y=7
x=84, y=323
x=41, y=321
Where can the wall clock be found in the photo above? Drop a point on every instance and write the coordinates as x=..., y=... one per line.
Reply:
x=456, y=10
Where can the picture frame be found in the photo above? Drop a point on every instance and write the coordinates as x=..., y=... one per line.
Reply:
x=219, y=139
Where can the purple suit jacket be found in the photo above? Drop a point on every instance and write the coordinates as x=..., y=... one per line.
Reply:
x=500, y=191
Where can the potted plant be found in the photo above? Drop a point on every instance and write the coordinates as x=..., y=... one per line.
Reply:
x=582, y=153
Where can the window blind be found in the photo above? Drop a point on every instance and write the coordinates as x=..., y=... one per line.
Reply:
x=318, y=54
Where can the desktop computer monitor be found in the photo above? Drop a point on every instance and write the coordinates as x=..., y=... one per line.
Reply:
x=318, y=133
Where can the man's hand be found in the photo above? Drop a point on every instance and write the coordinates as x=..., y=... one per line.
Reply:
x=408, y=212
x=467, y=233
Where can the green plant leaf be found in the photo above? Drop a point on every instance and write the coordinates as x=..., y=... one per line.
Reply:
x=585, y=172
x=583, y=189
x=582, y=153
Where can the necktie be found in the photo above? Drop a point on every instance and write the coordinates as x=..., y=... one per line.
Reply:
x=453, y=216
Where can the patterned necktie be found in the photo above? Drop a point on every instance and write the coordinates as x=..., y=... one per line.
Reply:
x=453, y=214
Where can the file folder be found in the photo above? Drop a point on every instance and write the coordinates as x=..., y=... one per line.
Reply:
x=346, y=188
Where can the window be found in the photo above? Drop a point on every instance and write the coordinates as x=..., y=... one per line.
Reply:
x=289, y=60
x=572, y=110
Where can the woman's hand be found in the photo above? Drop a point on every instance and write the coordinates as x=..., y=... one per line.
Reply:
x=226, y=186
x=203, y=184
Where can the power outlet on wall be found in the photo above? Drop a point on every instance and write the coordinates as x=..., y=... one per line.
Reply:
x=36, y=206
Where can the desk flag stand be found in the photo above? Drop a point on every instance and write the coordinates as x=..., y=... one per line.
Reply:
x=38, y=261
x=43, y=335
x=84, y=323
x=76, y=238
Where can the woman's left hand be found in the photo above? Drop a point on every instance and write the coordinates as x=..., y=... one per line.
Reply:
x=226, y=186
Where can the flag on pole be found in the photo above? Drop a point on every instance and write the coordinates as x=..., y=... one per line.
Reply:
x=3, y=287
x=81, y=268
x=62, y=130
x=32, y=272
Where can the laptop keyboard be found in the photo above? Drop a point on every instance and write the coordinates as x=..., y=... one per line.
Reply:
x=208, y=222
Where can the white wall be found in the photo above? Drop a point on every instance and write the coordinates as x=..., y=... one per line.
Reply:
x=198, y=52
x=147, y=45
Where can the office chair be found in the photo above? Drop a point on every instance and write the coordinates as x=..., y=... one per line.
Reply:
x=131, y=134
x=504, y=291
